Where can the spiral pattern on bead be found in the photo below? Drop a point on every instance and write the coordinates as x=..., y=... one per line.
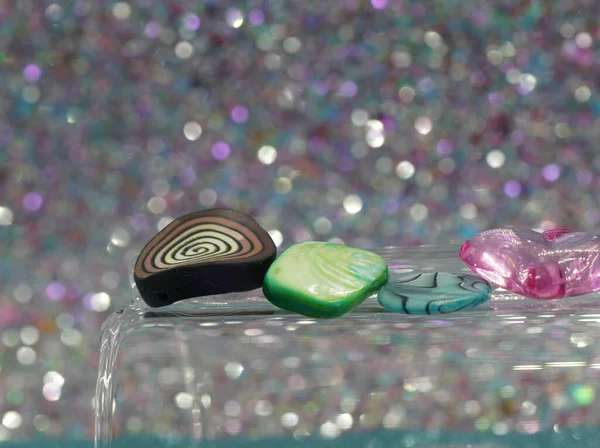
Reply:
x=199, y=239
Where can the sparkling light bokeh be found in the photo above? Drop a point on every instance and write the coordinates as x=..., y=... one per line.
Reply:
x=365, y=122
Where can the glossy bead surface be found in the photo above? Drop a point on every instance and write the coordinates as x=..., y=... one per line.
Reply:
x=433, y=293
x=208, y=252
x=548, y=265
x=323, y=279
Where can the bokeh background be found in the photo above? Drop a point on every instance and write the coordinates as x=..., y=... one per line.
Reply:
x=380, y=122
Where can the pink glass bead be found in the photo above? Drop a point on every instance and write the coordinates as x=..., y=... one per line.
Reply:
x=550, y=265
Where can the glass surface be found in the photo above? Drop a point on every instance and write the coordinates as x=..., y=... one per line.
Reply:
x=233, y=370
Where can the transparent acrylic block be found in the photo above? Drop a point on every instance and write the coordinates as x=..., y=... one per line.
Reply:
x=234, y=371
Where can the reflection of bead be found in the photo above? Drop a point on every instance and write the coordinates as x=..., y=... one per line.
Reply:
x=549, y=265
x=208, y=252
x=323, y=279
x=552, y=234
x=433, y=293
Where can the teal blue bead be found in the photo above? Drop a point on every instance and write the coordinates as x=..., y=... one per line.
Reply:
x=433, y=293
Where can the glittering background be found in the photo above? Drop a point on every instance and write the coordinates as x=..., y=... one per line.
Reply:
x=382, y=122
